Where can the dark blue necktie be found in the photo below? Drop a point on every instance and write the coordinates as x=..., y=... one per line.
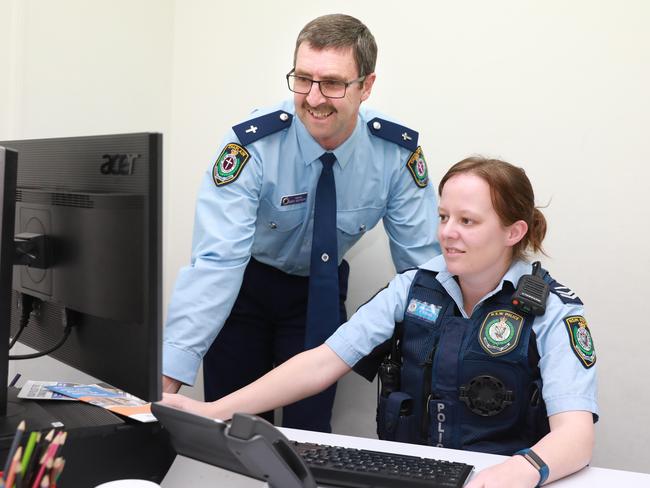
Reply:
x=323, y=303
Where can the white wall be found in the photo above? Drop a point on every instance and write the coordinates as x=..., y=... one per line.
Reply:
x=557, y=87
x=75, y=67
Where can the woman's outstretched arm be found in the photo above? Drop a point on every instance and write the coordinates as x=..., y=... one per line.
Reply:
x=302, y=376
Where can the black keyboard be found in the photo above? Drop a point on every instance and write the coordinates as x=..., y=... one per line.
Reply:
x=359, y=468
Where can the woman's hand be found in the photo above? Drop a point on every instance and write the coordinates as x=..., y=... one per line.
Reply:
x=515, y=472
x=303, y=375
x=182, y=402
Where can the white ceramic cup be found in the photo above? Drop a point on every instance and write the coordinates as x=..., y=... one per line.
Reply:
x=129, y=484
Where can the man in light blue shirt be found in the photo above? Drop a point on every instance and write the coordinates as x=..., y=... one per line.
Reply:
x=248, y=280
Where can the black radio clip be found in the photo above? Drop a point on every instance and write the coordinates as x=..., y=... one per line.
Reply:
x=390, y=369
x=532, y=292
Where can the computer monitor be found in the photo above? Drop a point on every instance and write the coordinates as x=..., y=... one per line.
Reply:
x=7, y=214
x=88, y=223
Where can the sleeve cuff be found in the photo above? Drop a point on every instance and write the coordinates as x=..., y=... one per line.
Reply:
x=343, y=350
x=559, y=405
x=180, y=364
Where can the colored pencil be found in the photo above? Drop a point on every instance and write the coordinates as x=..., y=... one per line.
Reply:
x=19, y=477
x=10, y=476
x=50, y=451
x=47, y=459
x=42, y=474
x=34, y=437
x=45, y=482
x=57, y=467
x=14, y=445
x=32, y=466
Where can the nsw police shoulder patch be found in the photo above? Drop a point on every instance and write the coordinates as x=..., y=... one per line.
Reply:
x=229, y=164
x=500, y=332
x=581, y=340
x=417, y=165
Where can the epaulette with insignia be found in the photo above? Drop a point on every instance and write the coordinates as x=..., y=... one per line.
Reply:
x=259, y=127
x=398, y=134
x=563, y=292
x=234, y=157
x=407, y=138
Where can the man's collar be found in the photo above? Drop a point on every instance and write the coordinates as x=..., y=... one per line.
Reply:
x=310, y=150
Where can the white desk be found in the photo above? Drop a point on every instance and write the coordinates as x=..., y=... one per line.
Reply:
x=187, y=472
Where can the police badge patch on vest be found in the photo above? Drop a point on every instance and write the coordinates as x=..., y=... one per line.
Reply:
x=229, y=164
x=500, y=332
x=423, y=310
x=417, y=165
x=581, y=340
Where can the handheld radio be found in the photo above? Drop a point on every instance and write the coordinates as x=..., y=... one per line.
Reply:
x=532, y=292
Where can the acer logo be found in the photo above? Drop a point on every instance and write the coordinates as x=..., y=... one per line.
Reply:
x=118, y=164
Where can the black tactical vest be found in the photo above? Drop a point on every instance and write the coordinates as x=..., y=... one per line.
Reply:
x=469, y=384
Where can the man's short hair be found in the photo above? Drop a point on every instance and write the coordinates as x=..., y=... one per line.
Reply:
x=340, y=31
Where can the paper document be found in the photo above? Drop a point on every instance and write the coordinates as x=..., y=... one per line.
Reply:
x=37, y=390
x=117, y=401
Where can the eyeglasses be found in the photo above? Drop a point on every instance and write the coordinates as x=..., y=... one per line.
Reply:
x=329, y=88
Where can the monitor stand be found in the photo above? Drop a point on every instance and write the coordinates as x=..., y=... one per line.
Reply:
x=100, y=446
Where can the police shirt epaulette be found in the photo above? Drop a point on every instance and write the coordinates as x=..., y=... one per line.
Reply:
x=564, y=293
x=398, y=134
x=254, y=129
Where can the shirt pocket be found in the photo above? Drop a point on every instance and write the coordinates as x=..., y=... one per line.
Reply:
x=352, y=224
x=272, y=219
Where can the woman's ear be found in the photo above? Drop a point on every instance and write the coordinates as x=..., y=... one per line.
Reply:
x=516, y=232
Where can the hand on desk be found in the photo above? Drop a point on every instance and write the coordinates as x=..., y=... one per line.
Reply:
x=182, y=402
x=515, y=472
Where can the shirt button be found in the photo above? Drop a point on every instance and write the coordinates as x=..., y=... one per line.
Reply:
x=273, y=225
x=362, y=227
x=325, y=257
x=284, y=117
x=376, y=125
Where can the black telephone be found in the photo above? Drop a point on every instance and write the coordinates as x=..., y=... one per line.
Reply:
x=248, y=445
x=264, y=450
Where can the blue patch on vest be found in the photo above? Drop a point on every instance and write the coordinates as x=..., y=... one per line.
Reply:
x=254, y=129
x=398, y=134
x=423, y=310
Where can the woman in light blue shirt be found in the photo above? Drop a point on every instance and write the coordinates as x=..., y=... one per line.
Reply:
x=499, y=363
